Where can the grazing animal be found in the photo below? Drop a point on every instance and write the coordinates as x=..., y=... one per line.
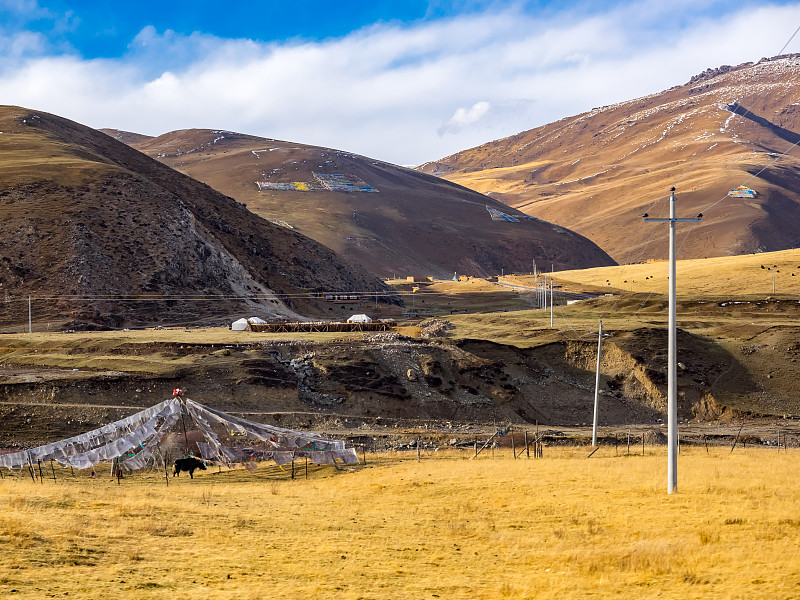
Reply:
x=189, y=464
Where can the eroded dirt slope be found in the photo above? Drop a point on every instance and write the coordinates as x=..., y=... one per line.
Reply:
x=389, y=377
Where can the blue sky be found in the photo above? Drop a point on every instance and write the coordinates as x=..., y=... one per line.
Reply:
x=405, y=81
x=105, y=29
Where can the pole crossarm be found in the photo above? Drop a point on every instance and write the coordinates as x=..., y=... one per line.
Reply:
x=672, y=375
x=651, y=220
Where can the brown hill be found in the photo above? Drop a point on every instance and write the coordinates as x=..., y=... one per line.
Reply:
x=126, y=137
x=100, y=233
x=598, y=172
x=414, y=223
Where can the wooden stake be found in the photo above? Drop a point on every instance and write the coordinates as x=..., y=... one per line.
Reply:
x=419, y=457
x=41, y=477
x=365, y=462
x=513, y=447
x=292, y=468
x=737, y=438
x=643, y=443
x=705, y=439
x=53, y=469
x=527, y=447
x=629, y=441
x=164, y=458
x=779, y=441
x=484, y=445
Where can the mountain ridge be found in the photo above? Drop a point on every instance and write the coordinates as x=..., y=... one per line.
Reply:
x=86, y=216
x=599, y=171
x=391, y=220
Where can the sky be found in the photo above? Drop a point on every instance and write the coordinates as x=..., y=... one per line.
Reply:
x=402, y=81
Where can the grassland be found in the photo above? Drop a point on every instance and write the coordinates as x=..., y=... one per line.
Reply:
x=445, y=527
x=750, y=274
x=444, y=297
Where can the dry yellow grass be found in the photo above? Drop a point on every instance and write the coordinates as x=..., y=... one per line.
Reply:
x=443, y=297
x=734, y=275
x=447, y=527
x=58, y=350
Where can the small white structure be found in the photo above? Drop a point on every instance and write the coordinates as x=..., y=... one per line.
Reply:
x=239, y=325
x=359, y=319
x=242, y=323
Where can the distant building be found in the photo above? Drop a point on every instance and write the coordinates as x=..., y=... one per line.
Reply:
x=343, y=298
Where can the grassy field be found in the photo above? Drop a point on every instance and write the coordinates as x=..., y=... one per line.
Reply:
x=734, y=275
x=444, y=297
x=445, y=527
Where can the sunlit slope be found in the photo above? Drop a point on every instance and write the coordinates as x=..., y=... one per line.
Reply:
x=726, y=275
x=413, y=224
x=598, y=172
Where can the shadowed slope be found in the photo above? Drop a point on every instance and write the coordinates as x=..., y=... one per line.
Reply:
x=414, y=224
x=85, y=215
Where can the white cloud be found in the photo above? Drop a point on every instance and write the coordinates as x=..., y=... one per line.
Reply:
x=464, y=117
x=392, y=91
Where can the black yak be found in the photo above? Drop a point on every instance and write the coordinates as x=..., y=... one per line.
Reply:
x=189, y=464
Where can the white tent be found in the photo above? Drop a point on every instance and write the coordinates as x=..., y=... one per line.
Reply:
x=242, y=323
x=239, y=325
x=359, y=319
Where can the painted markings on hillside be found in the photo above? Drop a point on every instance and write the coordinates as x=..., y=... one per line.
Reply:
x=332, y=182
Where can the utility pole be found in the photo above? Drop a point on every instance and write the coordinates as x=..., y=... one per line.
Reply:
x=544, y=294
x=551, y=302
x=597, y=385
x=30, y=318
x=672, y=374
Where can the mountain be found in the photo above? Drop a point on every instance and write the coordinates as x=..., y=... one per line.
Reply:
x=86, y=222
x=598, y=172
x=389, y=219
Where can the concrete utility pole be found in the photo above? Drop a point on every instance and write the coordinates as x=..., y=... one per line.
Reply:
x=544, y=292
x=597, y=386
x=672, y=374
